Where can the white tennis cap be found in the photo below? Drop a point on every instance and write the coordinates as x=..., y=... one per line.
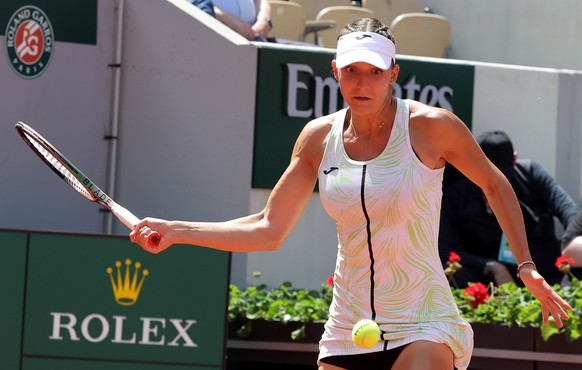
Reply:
x=368, y=47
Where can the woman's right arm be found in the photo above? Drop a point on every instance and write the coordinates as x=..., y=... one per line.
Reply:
x=262, y=231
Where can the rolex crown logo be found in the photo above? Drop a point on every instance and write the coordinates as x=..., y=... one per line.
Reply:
x=126, y=287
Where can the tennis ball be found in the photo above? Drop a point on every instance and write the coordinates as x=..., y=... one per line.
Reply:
x=366, y=333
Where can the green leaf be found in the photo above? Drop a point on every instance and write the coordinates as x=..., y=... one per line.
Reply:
x=298, y=334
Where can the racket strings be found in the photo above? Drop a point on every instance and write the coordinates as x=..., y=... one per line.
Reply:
x=63, y=170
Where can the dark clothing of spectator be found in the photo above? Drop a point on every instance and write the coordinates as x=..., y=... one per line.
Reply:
x=205, y=5
x=573, y=230
x=471, y=230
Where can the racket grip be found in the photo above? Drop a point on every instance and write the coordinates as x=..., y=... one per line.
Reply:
x=154, y=238
x=129, y=220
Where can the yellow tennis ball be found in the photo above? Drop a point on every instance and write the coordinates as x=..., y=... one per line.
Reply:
x=366, y=333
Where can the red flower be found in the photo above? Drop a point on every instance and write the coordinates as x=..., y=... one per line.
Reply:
x=563, y=263
x=453, y=264
x=476, y=294
x=453, y=257
x=329, y=280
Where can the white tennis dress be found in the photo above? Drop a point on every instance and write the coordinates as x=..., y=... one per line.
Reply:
x=387, y=211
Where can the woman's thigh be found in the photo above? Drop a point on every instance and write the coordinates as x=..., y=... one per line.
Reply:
x=324, y=366
x=381, y=360
x=425, y=355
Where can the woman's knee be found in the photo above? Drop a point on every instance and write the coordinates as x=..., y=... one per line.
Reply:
x=425, y=355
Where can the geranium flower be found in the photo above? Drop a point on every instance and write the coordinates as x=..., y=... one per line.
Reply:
x=476, y=294
x=564, y=263
x=453, y=257
x=453, y=266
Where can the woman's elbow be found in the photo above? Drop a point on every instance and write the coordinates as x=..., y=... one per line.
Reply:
x=496, y=186
x=272, y=241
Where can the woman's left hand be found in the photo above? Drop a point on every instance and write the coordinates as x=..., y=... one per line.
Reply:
x=550, y=301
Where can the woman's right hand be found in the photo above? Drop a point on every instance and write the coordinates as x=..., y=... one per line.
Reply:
x=144, y=228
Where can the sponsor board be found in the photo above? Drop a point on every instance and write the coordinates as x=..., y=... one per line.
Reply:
x=295, y=86
x=101, y=298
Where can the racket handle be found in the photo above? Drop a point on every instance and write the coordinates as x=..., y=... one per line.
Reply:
x=129, y=220
x=154, y=238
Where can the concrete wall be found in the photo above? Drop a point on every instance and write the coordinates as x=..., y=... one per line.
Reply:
x=187, y=113
x=69, y=104
x=187, y=116
x=522, y=32
x=538, y=108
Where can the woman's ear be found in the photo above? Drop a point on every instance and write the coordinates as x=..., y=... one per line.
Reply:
x=395, y=72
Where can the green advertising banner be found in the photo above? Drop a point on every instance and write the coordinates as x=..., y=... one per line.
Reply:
x=58, y=364
x=297, y=85
x=94, y=300
x=70, y=20
x=13, y=268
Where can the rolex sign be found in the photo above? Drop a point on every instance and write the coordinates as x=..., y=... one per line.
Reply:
x=93, y=300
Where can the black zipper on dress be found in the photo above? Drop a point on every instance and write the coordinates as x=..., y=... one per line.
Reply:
x=369, y=232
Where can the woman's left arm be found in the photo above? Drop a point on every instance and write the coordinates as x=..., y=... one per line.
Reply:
x=451, y=138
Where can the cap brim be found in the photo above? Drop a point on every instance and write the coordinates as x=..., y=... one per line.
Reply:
x=374, y=58
x=366, y=47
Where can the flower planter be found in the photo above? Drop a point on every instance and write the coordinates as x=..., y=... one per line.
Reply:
x=497, y=346
x=268, y=344
x=558, y=344
x=488, y=339
x=275, y=331
x=504, y=337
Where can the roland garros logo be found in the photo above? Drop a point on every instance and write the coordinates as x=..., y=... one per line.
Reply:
x=29, y=41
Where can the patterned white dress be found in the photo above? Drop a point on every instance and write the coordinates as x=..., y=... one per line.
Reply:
x=388, y=268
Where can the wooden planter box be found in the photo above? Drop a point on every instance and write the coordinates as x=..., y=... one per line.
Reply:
x=276, y=331
x=557, y=344
x=269, y=345
x=495, y=340
x=496, y=347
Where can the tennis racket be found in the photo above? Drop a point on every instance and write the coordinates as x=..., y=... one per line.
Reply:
x=67, y=171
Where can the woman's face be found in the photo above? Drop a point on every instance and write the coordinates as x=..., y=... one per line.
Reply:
x=365, y=87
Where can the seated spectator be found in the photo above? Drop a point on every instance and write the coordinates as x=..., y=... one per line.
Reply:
x=250, y=18
x=469, y=228
x=205, y=5
x=572, y=245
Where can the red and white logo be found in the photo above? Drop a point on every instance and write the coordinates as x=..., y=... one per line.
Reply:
x=29, y=41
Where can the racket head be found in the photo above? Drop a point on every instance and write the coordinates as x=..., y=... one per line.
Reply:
x=67, y=171
x=57, y=162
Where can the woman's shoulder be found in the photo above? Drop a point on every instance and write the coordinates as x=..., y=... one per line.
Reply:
x=436, y=134
x=425, y=112
x=321, y=126
x=433, y=120
x=313, y=138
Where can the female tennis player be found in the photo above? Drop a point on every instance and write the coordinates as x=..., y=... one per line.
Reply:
x=380, y=166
